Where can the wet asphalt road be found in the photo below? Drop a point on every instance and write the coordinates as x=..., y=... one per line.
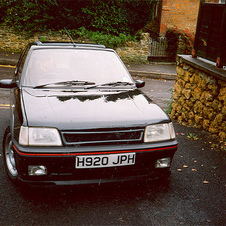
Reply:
x=195, y=194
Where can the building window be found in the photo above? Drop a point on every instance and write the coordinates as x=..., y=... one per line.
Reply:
x=215, y=1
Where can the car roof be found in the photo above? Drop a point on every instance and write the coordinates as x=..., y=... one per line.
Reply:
x=67, y=44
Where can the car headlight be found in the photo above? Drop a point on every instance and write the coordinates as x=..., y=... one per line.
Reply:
x=159, y=132
x=38, y=136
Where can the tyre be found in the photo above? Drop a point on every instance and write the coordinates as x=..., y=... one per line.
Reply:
x=8, y=155
x=163, y=176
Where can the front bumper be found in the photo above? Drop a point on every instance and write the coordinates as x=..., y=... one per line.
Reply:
x=60, y=163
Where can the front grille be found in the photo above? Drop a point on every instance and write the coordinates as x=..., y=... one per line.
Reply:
x=102, y=136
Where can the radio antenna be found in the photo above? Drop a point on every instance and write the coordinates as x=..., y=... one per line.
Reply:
x=69, y=36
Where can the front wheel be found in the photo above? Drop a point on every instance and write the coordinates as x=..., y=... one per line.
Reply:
x=9, y=158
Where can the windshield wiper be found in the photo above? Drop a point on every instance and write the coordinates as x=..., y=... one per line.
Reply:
x=112, y=84
x=66, y=83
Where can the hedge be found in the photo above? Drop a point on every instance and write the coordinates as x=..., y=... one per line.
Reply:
x=107, y=16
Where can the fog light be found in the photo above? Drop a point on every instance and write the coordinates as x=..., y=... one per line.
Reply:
x=37, y=170
x=162, y=163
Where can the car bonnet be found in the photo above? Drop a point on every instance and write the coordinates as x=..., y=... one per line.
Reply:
x=88, y=110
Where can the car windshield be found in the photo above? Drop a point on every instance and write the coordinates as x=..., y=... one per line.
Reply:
x=58, y=66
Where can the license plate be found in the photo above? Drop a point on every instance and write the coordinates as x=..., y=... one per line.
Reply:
x=100, y=161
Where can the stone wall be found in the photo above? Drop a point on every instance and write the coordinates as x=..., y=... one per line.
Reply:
x=16, y=42
x=199, y=98
x=132, y=52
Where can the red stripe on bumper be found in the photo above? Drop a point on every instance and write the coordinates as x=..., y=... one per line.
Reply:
x=93, y=153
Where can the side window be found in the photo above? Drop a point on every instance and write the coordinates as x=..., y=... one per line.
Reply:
x=20, y=64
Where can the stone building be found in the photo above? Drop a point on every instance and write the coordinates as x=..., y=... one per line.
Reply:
x=200, y=88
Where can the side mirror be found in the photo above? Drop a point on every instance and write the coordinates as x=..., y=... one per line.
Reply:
x=8, y=83
x=140, y=83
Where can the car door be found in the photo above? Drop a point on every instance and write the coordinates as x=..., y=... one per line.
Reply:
x=16, y=108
